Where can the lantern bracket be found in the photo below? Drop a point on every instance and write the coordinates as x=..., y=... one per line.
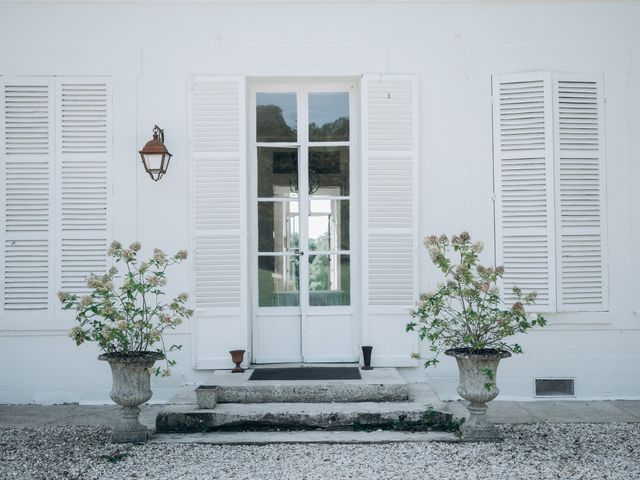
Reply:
x=157, y=131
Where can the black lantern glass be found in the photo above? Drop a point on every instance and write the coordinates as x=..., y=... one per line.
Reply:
x=155, y=156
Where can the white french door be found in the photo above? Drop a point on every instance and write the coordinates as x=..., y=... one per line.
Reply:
x=303, y=213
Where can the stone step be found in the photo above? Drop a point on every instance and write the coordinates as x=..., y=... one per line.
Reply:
x=378, y=385
x=354, y=416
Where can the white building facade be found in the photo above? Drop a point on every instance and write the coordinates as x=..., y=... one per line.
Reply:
x=314, y=145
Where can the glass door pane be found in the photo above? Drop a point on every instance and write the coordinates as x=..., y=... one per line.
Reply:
x=329, y=171
x=329, y=117
x=276, y=117
x=329, y=280
x=278, y=280
x=277, y=172
x=278, y=227
x=328, y=225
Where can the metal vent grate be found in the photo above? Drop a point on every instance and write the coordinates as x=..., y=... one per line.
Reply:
x=554, y=387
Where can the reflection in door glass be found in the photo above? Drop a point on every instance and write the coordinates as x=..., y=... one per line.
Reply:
x=329, y=280
x=278, y=226
x=277, y=172
x=329, y=117
x=328, y=225
x=329, y=171
x=276, y=117
x=279, y=281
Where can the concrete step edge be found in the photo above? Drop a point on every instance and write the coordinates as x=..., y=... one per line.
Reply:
x=265, y=438
x=317, y=407
x=305, y=393
x=186, y=420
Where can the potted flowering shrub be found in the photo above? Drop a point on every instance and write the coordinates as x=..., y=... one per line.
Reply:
x=126, y=316
x=467, y=319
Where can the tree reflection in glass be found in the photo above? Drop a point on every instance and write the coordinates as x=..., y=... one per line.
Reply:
x=276, y=117
x=329, y=117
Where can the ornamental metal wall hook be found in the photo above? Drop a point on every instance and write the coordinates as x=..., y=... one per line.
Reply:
x=157, y=131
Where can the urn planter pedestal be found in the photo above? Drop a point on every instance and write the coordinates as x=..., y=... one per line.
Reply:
x=131, y=388
x=477, y=384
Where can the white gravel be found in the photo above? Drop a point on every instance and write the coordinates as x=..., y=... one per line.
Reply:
x=539, y=451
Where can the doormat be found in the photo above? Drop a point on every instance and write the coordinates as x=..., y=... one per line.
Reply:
x=306, y=373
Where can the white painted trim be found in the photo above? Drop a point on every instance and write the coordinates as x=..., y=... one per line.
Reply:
x=364, y=211
x=192, y=230
x=303, y=205
x=416, y=185
x=244, y=220
x=331, y=359
x=272, y=360
x=393, y=360
x=219, y=363
x=276, y=2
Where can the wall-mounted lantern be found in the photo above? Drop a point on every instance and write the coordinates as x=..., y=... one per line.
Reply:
x=155, y=156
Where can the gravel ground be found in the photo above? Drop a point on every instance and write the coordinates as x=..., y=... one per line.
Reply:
x=539, y=451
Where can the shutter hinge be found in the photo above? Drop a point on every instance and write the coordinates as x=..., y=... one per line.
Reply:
x=493, y=197
x=493, y=99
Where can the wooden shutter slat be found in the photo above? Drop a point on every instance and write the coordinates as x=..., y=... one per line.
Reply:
x=83, y=158
x=524, y=196
x=580, y=192
x=26, y=162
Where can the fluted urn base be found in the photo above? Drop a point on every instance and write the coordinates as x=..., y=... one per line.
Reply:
x=478, y=371
x=477, y=427
x=129, y=429
x=131, y=388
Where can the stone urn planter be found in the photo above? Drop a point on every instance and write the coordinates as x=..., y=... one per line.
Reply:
x=477, y=384
x=467, y=318
x=131, y=388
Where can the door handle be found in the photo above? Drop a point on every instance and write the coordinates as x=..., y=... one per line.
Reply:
x=297, y=251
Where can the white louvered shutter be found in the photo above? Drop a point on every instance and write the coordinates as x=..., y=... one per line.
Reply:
x=524, y=188
x=390, y=221
x=580, y=192
x=218, y=170
x=27, y=181
x=83, y=156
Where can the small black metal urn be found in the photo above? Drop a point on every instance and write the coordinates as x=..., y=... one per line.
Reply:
x=366, y=354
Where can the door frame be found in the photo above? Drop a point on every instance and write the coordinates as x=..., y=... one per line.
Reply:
x=302, y=86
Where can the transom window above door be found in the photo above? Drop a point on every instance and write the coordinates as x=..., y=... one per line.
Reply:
x=303, y=205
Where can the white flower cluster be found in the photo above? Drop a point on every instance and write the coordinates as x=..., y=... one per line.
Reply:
x=129, y=317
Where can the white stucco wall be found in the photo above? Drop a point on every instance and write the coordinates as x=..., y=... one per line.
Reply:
x=151, y=50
